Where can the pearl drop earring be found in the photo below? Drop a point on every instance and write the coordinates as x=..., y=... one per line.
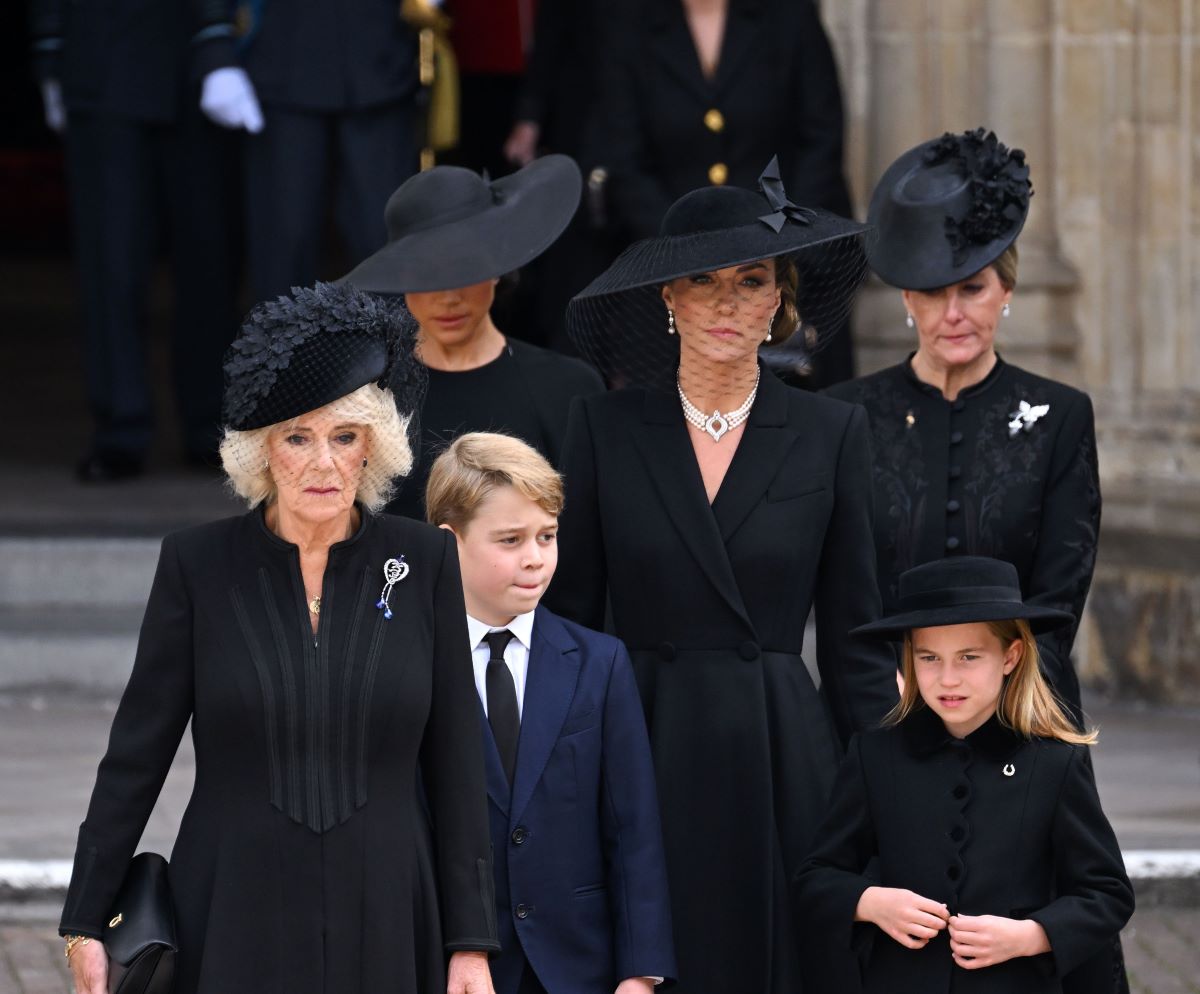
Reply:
x=670, y=321
x=908, y=320
x=1006, y=310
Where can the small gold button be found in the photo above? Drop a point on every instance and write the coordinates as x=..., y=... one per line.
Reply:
x=714, y=120
x=718, y=173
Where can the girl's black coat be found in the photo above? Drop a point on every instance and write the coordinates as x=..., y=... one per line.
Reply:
x=947, y=822
x=951, y=479
x=337, y=837
x=712, y=603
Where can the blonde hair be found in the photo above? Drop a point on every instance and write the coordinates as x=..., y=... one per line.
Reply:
x=244, y=453
x=1027, y=705
x=1006, y=267
x=479, y=463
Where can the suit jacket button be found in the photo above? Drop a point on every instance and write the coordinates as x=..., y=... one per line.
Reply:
x=952, y=543
x=523, y=910
x=718, y=173
x=955, y=472
x=519, y=835
x=666, y=652
x=714, y=120
x=956, y=437
x=748, y=651
x=952, y=506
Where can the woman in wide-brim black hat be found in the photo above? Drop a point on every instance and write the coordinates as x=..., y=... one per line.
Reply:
x=974, y=455
x=337, y=838
x=710, y=506
x=452, y=236
x=966, y=836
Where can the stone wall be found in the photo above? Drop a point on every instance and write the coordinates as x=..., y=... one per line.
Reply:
x=1104, y=96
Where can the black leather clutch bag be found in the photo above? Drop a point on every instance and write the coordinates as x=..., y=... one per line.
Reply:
x=140, y=937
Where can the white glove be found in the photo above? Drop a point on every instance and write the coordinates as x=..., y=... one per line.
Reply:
x=228, y=99
x=52, y=102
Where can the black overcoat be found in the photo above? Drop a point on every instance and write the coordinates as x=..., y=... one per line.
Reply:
x=712, y=603
x=952, y=478
x=993, y=824
x=775, y=92
x=337, y=836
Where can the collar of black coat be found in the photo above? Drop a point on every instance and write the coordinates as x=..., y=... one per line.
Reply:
x=365, y=519
x=770, y=406
x=925, y=734
x=971, y=391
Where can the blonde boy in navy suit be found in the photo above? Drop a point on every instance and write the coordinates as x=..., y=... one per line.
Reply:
x=581, y=887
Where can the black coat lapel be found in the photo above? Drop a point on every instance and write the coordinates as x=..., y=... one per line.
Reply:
x=672, y=48
x=549, y=689
x=670, y=462
x=744, y=31
x=765, y=442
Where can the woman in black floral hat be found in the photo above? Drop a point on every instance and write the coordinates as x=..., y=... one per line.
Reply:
x=336, y=839
x=972, y=454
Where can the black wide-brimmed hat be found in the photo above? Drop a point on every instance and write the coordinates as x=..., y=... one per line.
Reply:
x=947, y=209
x=959, y=591
x=450, y=227
x=619, y=320
x=300, y=352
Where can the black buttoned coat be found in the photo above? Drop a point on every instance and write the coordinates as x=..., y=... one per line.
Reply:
x=953, y=478
x=712, y=603
x=776, y=92
x=993, y=824
x=337, y=836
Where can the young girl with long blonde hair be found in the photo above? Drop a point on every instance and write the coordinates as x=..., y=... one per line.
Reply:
x=997, y=871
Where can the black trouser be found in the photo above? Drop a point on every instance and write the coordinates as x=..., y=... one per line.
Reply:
x=289, y=166
x=125, y=177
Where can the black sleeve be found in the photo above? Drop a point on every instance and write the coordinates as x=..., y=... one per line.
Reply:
x=1065, y=557
x=146, y=730
x=817, y=179
x=543, y=71
x=831, y=881
x=857, y=674
x=213, y=36
x=619, y=139
x=1095, y=898
x=46, y=29
x=581, y=582
x=452, y=772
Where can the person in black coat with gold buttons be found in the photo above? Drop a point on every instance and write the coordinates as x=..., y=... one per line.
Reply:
x=972, y=454
x=336, y=838
x=712, y=535
x=995, y=870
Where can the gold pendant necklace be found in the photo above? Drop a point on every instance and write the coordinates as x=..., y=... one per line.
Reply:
x=315, y=604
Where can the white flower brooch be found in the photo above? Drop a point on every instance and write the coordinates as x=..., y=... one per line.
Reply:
x=1025, y=416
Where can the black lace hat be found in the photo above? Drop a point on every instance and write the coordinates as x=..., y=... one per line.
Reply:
x=300, y=352
x=961, y=590
x=947, y=209
x=619, y=321
x=450, y=227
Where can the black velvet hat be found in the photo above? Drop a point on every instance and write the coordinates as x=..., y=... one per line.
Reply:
x=947, y=209
x=450, y=227
x=958, y=591
x=301, y=352
x=619, y=321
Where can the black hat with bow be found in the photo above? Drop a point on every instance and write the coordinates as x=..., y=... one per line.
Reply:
x=300, y=352
x=947, y=209
x=450, y=227
x=961, y=590
x=619, y=320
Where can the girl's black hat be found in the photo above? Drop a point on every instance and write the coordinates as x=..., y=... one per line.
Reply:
x=619, y=321
x=449, y=227
x=300, y=352
x=946, y=209
x=959, y=591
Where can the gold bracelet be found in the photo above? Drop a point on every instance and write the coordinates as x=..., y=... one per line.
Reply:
x=73, y=941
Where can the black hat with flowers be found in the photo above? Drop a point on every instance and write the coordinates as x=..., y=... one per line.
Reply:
x=300, y=352
x=946, y=209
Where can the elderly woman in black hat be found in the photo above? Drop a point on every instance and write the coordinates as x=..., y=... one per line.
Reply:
x=452, y=235
x=711, y=506
x=972, y=454
x=336, y=839
x=992, y=867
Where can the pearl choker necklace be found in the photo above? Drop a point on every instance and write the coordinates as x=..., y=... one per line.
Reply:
x=716, y=424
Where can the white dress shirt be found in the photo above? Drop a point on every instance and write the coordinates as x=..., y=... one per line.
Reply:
x=516, y=654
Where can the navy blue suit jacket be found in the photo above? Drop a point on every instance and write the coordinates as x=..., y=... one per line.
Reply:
x=581, y=884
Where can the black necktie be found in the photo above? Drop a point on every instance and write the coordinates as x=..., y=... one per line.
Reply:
x=502, y=702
